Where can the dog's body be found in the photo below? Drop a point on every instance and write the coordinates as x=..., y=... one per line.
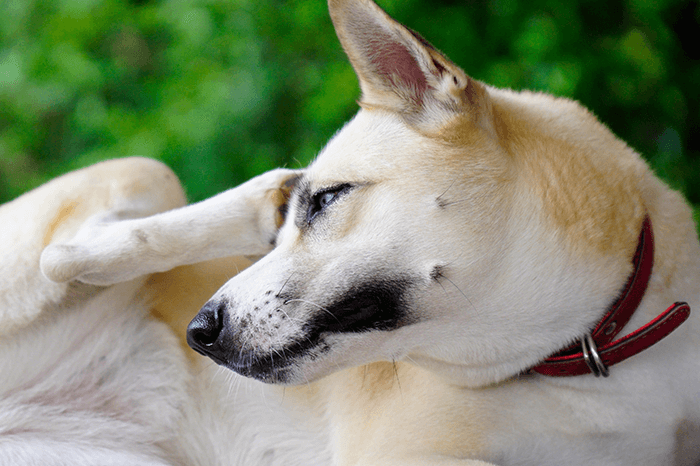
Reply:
x=448, y=239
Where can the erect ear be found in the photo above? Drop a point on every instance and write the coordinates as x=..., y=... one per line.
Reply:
x=400, y=71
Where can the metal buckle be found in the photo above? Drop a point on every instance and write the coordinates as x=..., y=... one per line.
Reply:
x=592, y=358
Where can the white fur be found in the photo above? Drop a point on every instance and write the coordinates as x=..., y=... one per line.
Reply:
x=102, y=383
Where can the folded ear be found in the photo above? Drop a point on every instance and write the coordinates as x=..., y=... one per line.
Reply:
x=400, y=71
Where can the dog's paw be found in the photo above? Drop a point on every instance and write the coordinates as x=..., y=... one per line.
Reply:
x=274, y=190
x=285, y=192
x=63, y=263
x=102, y=252
x=105, y=250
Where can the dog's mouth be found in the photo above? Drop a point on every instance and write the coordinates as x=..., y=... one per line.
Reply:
x=374, y=306
x=274, y=365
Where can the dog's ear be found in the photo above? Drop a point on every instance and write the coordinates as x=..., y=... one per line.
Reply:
x=400, y=71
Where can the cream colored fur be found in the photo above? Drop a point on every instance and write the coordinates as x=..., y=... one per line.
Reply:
x=448, y=238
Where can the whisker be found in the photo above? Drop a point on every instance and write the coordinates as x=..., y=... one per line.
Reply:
x=445, y=204
x=313, y=304
x=462, y=293
x=285, y=283
x=245, y=341
x=396, y=375
x=441, y=285
x=439, y=200
x=412, y=360
x=293, y=319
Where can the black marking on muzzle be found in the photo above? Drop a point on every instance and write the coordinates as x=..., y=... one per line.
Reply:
x=373, y=305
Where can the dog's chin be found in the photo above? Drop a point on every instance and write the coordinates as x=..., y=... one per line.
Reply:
x=276, y=375
x=296, y=363
x=289, y=375
x=307, y=360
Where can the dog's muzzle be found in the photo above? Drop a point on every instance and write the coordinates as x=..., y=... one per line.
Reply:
x=211, y=335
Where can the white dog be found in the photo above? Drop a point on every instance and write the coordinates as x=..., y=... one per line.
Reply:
x=465, y=274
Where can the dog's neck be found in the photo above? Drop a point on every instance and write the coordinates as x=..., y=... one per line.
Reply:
x=596, y=348
x=596, y=351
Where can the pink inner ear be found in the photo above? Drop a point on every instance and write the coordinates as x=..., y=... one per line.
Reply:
x=394, y=62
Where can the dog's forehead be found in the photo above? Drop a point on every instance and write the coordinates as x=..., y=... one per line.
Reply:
x=374, y=145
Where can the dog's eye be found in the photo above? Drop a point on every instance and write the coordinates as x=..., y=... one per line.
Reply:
x=323, y=199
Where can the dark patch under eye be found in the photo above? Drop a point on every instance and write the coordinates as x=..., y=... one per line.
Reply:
x=323, y=198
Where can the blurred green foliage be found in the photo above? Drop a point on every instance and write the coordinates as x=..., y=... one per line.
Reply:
x=222, y=90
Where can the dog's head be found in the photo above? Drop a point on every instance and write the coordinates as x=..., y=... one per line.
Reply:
x=461, y=227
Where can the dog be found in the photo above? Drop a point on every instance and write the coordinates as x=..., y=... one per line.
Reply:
x=465, y=275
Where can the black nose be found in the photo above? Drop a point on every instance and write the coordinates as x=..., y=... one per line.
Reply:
x=206, y=327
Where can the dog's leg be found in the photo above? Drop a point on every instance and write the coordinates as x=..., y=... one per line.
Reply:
x=55, y=211
x=110, y=249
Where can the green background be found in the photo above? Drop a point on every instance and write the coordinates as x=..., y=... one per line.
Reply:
x=224, y=90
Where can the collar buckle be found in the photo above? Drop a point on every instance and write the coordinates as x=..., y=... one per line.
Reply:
x=592, y=358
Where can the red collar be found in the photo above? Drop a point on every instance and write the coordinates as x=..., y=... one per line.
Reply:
x=597, y=350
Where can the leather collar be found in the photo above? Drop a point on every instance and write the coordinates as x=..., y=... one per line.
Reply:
x=596, y=351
